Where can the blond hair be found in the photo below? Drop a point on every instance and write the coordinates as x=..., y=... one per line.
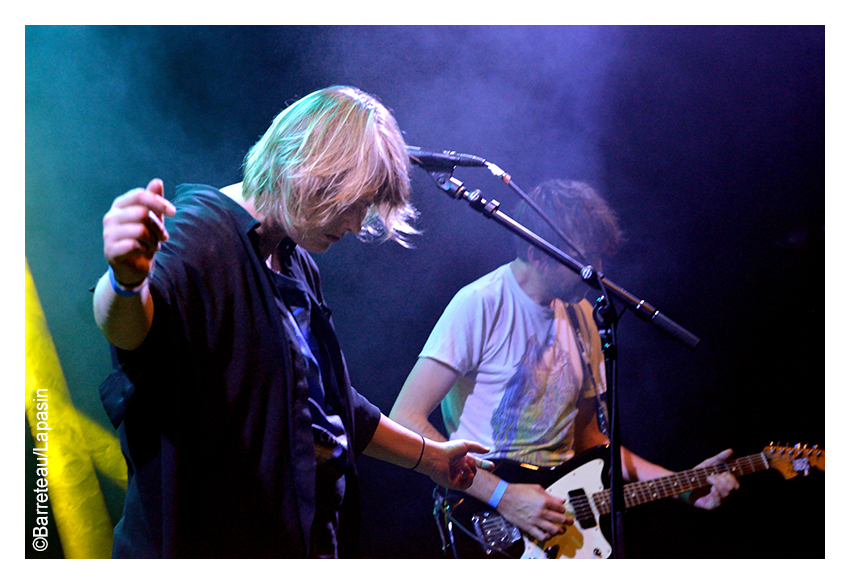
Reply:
x=327, y=151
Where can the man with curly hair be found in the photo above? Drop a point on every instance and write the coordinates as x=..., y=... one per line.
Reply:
x=515, y=363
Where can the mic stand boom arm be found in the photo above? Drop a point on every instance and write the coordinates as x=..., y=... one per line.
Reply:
x=490, y=209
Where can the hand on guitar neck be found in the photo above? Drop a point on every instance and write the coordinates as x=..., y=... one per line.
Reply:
x=721, y=484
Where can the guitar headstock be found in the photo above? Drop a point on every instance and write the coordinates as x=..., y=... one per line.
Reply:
x=794, y=460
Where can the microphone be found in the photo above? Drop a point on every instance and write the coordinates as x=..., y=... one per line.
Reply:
x=442, y=160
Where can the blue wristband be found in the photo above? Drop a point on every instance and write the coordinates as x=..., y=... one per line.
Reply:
x=497, y=494
x=123, y=290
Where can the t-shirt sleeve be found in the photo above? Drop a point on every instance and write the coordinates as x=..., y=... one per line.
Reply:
x=457, y=339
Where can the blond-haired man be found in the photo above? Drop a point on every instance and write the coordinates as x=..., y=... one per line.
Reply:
x=230, y=392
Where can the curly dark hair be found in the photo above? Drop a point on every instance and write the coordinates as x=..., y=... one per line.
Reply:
x=579, y=212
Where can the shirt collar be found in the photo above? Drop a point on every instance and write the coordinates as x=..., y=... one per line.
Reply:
x=285, y=249
x=244, y=221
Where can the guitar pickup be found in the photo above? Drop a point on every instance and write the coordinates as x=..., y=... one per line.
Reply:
x=581, y=508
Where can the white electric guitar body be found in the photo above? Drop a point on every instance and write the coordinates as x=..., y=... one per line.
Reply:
x=582, y=482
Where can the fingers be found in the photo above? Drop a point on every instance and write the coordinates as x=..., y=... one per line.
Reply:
x=151, y=197
x=161, y=206
x=716, y=459
x=723, y=484
x=464, y=474
x=555, y=512
x=156, y=186
x=476, y=447
x=133, y=230
x=463, y=479
x=708, y=502
x=483, y=463
x=547, y=529
x=535, y=511
x=137, y=223
x=461, y=466
x=723, y=456
x=549, y=524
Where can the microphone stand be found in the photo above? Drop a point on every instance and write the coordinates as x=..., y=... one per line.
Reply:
x=606, y=319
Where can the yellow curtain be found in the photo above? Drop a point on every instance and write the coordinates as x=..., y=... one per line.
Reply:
x=72, y=444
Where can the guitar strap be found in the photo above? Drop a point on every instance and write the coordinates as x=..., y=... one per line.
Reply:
x=579, y=322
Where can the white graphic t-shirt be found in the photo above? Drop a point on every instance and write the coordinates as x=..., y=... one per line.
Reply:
x=523, y=369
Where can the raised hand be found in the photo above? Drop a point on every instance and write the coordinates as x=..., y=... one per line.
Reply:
x=133, y=230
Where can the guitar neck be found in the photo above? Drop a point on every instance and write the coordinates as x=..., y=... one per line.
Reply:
x=669, y=486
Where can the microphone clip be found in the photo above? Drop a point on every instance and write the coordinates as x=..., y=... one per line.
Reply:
x=455, y=189
x=446, y=182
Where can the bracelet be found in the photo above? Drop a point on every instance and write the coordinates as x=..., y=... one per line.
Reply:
x=497, y=494
x=122, y=290
x=420, y=454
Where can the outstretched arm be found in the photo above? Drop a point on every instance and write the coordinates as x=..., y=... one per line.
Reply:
x=449, y=464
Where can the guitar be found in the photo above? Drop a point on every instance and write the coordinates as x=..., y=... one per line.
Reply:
x=580, y=482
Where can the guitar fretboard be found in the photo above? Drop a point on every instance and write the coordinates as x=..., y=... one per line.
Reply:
x=681, y=482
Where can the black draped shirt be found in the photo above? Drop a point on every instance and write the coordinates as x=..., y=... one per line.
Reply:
x=213, y=409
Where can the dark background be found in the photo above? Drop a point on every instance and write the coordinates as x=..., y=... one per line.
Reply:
x=708, y=141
